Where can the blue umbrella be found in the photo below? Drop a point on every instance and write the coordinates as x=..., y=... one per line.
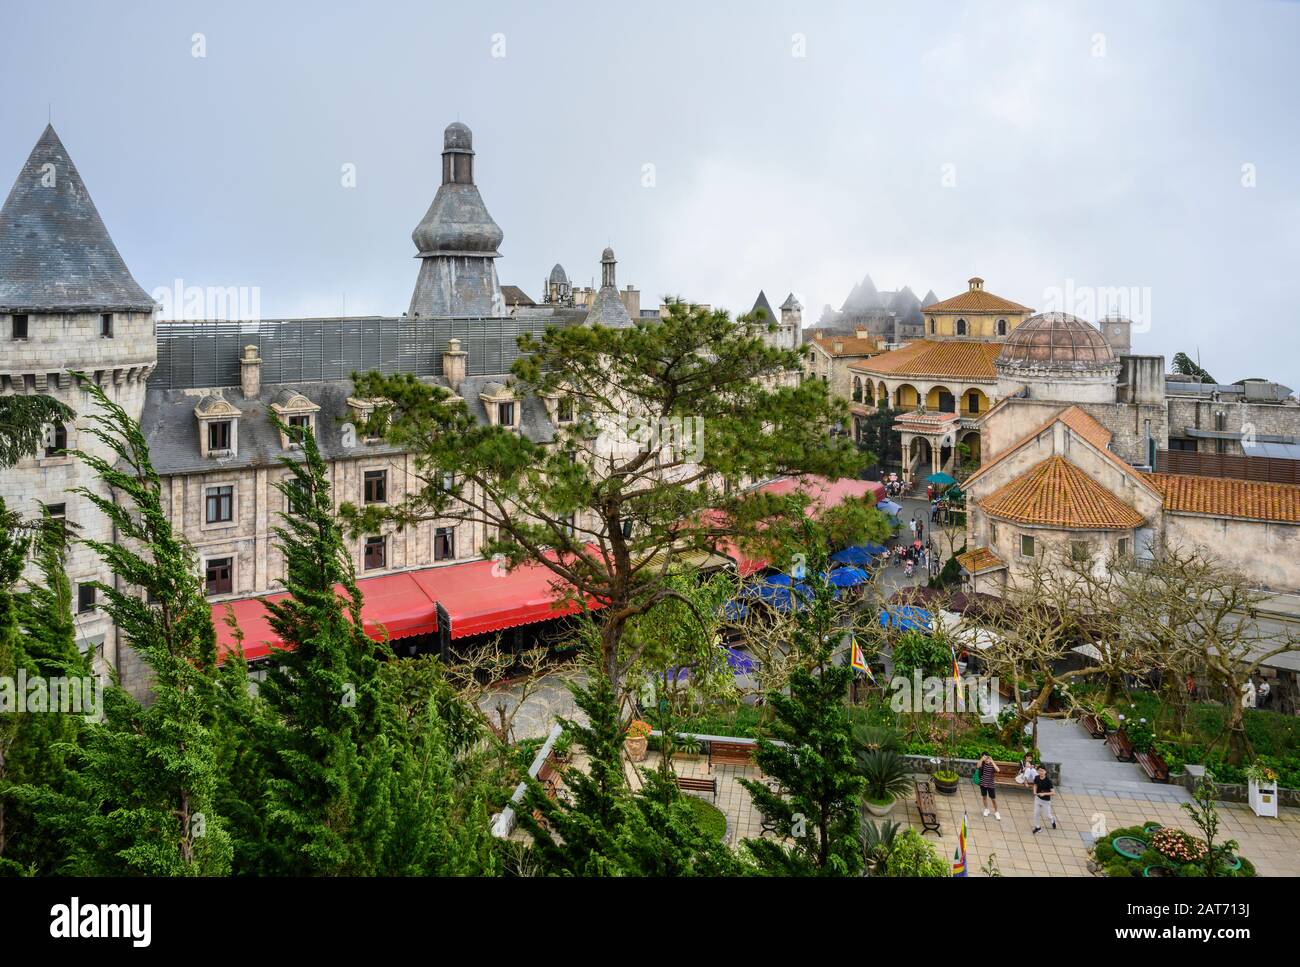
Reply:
x=741, y=664
x=889, y=507
x=848, y=577
x=780, y=579
x=905, y=618
x=735, y=610
x=858, y=555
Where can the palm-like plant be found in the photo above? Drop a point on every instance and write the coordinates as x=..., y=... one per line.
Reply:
x=887, y=775
x=877, y=844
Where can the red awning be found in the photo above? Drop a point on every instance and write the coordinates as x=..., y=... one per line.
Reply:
x=479, y=596
x=482, y=596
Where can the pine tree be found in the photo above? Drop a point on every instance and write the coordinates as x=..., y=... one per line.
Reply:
x=145, y=780
x=39, y=758
x=814, y=765
x=329, y=793
x=13, y=553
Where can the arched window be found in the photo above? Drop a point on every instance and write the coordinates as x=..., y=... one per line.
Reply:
x=857, y=389
x=1002, y=327
x=961, y=327
x=933, y=329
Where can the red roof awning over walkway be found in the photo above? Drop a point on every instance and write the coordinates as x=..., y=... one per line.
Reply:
x=480, y=597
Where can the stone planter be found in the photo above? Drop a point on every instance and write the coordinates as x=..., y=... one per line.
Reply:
x=636, y=746
x=878, y=810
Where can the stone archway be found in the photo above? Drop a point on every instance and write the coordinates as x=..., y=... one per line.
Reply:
x=971, y=440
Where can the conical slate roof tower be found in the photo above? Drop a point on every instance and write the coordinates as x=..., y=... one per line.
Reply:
x=55, y=253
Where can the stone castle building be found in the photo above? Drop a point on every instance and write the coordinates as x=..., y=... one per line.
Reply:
x=204, y=392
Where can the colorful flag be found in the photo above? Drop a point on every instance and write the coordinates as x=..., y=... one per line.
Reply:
x=959, y=856
x=856, y=658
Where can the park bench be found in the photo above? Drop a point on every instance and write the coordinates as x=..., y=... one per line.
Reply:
x=1153, y=765
x=1092, y=725
x=730, y=753
x=549, y=776
x=698, y=784
x=1119, y=744
x=925, y=806
x=1006, y=775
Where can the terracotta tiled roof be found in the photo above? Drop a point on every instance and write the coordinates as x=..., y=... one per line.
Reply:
x=931, y=419
x=979, y=560
x=1056, y=493
x=977, y=300
x=849, y=345
x=937, y=359
x=1249, y=499
x=1084, y=426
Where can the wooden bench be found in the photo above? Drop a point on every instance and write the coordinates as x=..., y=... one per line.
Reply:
x=925, y=806
x=730, y=753
x=698, y=784
x=1092, y=725
x=1006, y=775
x=1119, y=744
x=549, y=776
x=1153, y=765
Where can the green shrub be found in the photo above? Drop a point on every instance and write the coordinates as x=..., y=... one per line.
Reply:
x=1191, y=869
x=1118, y=869
x=1104, y=852
x=709, y=819
x=914, y=856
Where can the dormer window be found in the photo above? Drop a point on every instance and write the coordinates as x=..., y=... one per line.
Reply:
x=500, y=403
x=219, y=435
x=218, y=426
x=361, y=411
x=297, y=413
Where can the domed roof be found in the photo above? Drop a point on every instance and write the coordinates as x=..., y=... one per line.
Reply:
x=558, y=275
x=607, y=255
x=1056, y=340
x=458, y=136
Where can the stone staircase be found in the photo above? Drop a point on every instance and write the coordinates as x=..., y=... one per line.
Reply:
x=1089, y=768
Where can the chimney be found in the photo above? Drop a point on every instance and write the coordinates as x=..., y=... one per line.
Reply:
x=861, y=332
x=250, y=373
x=454, y=365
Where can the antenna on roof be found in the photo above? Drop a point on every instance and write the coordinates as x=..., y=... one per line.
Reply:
x=345, y=305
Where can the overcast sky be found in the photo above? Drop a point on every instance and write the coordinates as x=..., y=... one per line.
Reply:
x=1050, y=148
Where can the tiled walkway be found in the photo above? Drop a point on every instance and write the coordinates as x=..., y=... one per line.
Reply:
x=1090, y=768
x=1273, y=845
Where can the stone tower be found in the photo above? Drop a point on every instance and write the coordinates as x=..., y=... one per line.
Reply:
x=457, y=241
x=68, y=303
x=607, y=309
x=792, y=321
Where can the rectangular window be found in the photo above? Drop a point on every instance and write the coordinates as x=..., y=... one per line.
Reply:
x=448, y=481
x=376, y=486
x=220, y=505
x=106, y=325
x=1177, y=443
x=219, y=435
x=1124, y=548
x=85, y=598
x=1026, y=546
x=506, y=414
x=444, y=544
x=219, y=575
x=973, y=403
x=302, y=423
x=1080, y=552
x=20, y=326
x=376, y=553
x=56, y=440
x=564, y=411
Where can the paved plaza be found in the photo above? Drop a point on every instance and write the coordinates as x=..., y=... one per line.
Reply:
x=1273, y=845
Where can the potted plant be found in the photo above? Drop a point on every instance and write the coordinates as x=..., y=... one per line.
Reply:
x=1261, y=783
x=563, y=748
x=637, y=739
x=887, y=779
x=687, y=748
x=945, y=781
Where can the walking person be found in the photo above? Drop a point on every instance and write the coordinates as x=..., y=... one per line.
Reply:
x=1043, y=799
x=988, y=788
x=920, y=530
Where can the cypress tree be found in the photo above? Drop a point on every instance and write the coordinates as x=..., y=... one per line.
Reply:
x=329, y=792
x=143, y=793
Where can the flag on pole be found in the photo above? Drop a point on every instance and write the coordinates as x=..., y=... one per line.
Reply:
x=959, y=699
x=859, y=661
x=959, y=855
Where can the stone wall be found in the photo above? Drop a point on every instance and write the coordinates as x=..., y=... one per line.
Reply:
x=1267, y=553
x=1264, y=419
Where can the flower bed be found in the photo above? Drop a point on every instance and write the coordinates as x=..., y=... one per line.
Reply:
x=1168, y=852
